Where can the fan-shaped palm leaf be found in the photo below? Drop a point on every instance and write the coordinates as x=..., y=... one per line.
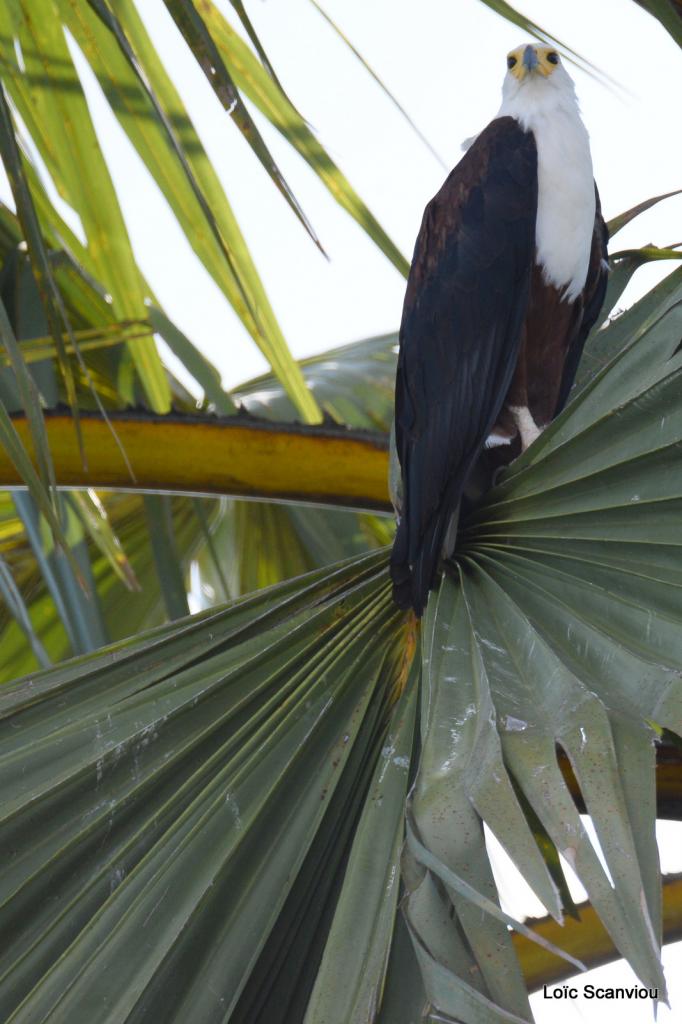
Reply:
x=560, y=623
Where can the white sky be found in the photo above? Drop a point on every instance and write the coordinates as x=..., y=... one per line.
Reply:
x=444, y=60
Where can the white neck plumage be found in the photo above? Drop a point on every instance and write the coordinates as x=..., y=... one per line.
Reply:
x=566, y=202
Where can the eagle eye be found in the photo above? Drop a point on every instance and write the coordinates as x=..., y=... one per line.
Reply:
x=553, y=58
x=511, y=61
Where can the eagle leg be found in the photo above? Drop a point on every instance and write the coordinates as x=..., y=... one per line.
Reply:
x=527, y=427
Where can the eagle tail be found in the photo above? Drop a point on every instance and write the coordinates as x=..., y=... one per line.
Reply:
x=401, y=573
x=412, y=582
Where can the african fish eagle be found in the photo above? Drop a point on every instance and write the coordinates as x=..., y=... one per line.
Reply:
x=508, y=276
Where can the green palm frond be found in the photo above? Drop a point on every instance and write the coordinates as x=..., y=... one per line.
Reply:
x=352, y=384
x=667, y=12
x=559, y=623
x=270, y=711
x=124, y=608
x=45, y=88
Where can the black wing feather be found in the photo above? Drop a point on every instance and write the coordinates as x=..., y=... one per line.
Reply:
x=593, y=300
x=461, y=329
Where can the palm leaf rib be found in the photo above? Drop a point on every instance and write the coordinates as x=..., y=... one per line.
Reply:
x=237, y=456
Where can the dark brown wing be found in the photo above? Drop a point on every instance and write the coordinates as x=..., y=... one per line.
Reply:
x=592, y=299
x=464, y=309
